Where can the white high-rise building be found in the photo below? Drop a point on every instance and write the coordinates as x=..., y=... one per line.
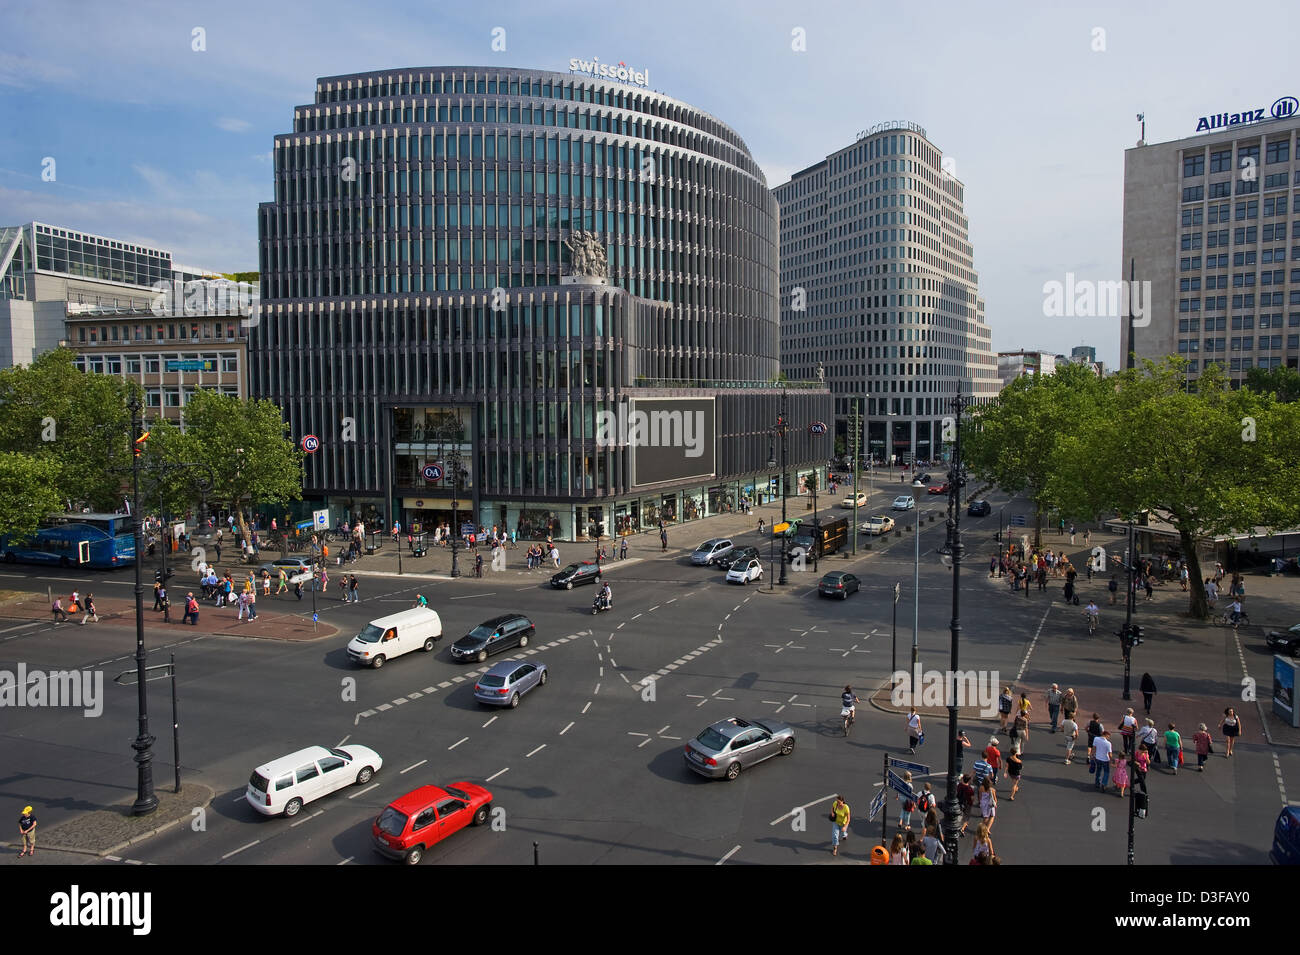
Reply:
x=879, y=291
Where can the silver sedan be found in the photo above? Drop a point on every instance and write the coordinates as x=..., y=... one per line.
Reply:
x=729, y=746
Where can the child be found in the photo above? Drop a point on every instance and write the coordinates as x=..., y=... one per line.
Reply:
x=1120, y=776
x=898, y=851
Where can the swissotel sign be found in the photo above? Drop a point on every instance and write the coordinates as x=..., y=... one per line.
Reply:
x=1283, y=108
x=614, y=71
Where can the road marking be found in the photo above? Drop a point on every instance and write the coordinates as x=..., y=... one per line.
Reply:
x=635, y=616
x=654, y=608
x=537, y=750
x=602, y=673
x=416, y=766
x=612, y=663
x=240, y=797
x=780, y=819
x=364, y=791
x=587, y=707
x=307, y=819
x=625, y=679
x=621, y=625
x=457, y=743
x=472, y=596
x=727, y=856
x=674, y=600
x=597, y=690
x=346, y=861
x=24, y=626
x=342, y=741
x=414, y=695
x=567, y=728
x=631, y=733
x=384, y=706
x=491, y=721
x=789, y=646
x=241, y=849
x=495, y=775
x=399, y=701
x=444, y=684
x=727, y=617
x=429, y=689
x=1025, y=662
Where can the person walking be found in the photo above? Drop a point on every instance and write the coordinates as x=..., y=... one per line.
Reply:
x=988, y=805
x=266, y=583
x=157, y=589
x=27, y=829
x=1113, y=587
x=1101, y=750
x=90, y=610
x=1141, y=763
x=840, y=817
x=982, y=854
x=933, y=845
x=1174, y=748
x=1231, y=730
x=1147, y=740
x=622, y=549
x=166, y=605
x=1204, y=744
x=297, y=589
x=1053, y=697
x=1020, y=732
x=478, y=565
x=1015, y=765
x=1069, y=704
x=1071, y=730
x=1087, y=536
x=555, y=556
x=915, y=735
x=898, y=851
x=354, y=590
x=284, y=583
x=1121, y=775
x=663, y=539
x=907, y=806
x=1094, y=730
x=1148, y=688
x=191, y=610
x=1005, y=702
x=994, y=757
x=242, y=602
x=965, y=802
x=252, y=605
x=1128, y=729
x=324, y=578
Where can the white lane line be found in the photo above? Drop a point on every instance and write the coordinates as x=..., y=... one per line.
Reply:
x=399, y=701
x=416, y=766
x=342, y=741
x=495, y=775
x=364, y=791
x=384, y=706
x=567, y=728
x=597, y=690
x=602, y=673
x=587, y=707
x=674, y=600
x=1032, y=643
x=727, y=856
x=600, y=656
x=625, y=679
x=307, y=818
x=241, y=849
x=24, y=626
x=654, y=608
x=239, y=798
x=472, y=596
x=595, y=643
x=414, y=695
x=734, y=609
x=635, y=616
x=781, y=819
x=346, y=861
x=537, y=750
x=457, y=743
x=630, y=733
x=621, y=625
x=458, y=679
x=612, y=663
x=639, y=745
x=444, y=684
x=727, y=617
x=491, y=721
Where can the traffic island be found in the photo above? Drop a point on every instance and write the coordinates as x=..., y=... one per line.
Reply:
x=111, y=829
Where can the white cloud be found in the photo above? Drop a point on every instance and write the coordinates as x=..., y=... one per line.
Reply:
x=232, y=125
x=26, y=72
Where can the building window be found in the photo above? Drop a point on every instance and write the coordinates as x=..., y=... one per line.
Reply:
x=1221, y=161
x=151, y=366
x=1193, y=194
x=1279, y=151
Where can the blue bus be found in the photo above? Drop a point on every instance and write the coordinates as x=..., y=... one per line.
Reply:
x=71, y=540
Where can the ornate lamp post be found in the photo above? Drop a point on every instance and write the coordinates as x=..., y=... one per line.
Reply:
x=956, y=481
x=453, y=432
x=782, y=426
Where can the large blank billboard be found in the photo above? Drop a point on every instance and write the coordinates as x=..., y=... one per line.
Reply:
x=670, y=439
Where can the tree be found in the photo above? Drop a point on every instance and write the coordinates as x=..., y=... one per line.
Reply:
x=243, y=442
x=1282, y=383
x=1012, y=442
x=1208, y=461
x=77, y=420
x=28, y=492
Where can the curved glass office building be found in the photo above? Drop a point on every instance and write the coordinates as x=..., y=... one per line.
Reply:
x=529, y=258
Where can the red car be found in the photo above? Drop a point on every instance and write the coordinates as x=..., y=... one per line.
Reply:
x=414, y=823
x=940, y=488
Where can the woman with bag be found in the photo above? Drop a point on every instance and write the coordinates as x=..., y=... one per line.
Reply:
x=1174, y=748
x=1128, y=730
x=1004, y=708
x=839, y=823
x=1147, y=736
x=1231, y=730
x=988, y=805
x=1204, y=746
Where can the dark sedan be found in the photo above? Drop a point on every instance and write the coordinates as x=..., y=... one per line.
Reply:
x=978, y=509
x=738, y=555
x=1285, y=641
x=838, y=584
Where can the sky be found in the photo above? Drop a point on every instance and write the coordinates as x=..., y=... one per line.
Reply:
x=162, y=144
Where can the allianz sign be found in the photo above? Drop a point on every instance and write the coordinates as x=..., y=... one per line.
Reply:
x=1283, y=108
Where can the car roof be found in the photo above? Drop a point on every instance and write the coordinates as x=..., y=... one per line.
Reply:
x=291, y=762
x=504, y=618
x=836, y=573
x=418, y=799
x=506, y=667
x=406, y=618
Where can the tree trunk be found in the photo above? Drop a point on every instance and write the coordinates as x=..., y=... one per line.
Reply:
x=1038, y=526
x=1199, y=606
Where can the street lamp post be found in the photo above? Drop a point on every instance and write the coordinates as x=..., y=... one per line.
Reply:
x=857, y=464
x=1128, y=611
x=146, y=801
x=956, y=481
x=916, y=580
x=893, y=641
x=782, y=426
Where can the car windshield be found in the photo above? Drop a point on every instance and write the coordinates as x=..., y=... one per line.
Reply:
x=371, y=634
x=571, y=569
x=492, y=679
x=707, y=545
x=712, y=739
x=481, y=632
x=392, y=821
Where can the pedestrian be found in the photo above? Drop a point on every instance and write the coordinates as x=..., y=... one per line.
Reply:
x=934, y=847
x=90, y=610
x=962, y=743
x=166, y=605
x=191, y=610
x=663, y=540
x=252, y=605
x=1095, y=729
x=926, y=802
x=1128, y=729
x=242, y=601
x=1121, y=777
x=915, y=736
x=993, y=566
x=988, y=805
x=982, y=854
x=1071, y=730
x=907, y=808
x=1182, y=578
x=353, y=590
x=157, y=600
x=1113, y=587
x=1053, y=697
x=1020, y=732
x=1174, y=748
x=297, y=589
x=324, y=579
x=898, y=851
x=1148, y=688
x=1042, y=576
x=555, y=556
x=1069, y=704
x=840, y=816
x=1204, y=746
x=760, y=527
x=983, y=770
x=1014, y=766
x=266, y=583
x=1071, y=535
x=1211, y=592
x=1087, y=536
x=420, y=601
x=1101, y=750
x=27, y=829
x=1004, y=708
x=622, y=549
x=1138, y=770
x=1147, y=738
x=478, y=565
x=1231, y=730
x=965, y=802
x=994, y=757
x=284, y=582
x=74, y=602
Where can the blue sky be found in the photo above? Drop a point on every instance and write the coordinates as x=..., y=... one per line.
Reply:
x=157, y=143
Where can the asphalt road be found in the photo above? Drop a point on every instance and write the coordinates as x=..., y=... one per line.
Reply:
x=590, y=766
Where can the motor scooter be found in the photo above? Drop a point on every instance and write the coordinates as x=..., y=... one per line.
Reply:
x=601, y=604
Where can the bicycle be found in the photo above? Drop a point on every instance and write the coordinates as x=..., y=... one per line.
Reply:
x=1225, y=619
x=848, y=716
x=1092, y=623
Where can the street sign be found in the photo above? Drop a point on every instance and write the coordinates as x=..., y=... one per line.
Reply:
x=320, y=518
x=315, y=617
x=909, y=767
x=897, y=783
x=304, y=525
x=877, y=804
x=192, y=364
x=310, y=443
x=432, y=472
x=781, y=528
x=1018, y=520
x=129, y=677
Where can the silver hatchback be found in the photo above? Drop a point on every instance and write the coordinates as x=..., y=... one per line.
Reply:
x=504, y=683
x=729, y=746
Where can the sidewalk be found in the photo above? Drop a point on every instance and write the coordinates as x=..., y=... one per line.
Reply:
x=277, y=618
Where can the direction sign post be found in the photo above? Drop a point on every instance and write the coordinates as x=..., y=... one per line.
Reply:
x=161, y=672
x=916, y=768
x=877, y=804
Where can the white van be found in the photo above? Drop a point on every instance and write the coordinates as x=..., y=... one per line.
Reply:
x=416, y=629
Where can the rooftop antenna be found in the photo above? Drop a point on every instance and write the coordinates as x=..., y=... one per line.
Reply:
x=1142, y=139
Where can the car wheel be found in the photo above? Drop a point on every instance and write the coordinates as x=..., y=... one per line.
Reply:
x=787, y=746
x=414, y=856
x=514, y=701
x=10, y=557
x=481, y=816
x=428, y=644
x=733, y=770
x=845, y=595
x=568, y=585
x=377, y=662
x=292, y=807
x=482, y=655
x=745, y=580
x=543, y=678
x=363, y=777
x=523, y=641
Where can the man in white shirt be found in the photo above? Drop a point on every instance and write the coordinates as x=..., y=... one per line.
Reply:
x=1101, y=753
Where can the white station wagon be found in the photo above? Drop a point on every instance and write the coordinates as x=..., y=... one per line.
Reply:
x=283, y=786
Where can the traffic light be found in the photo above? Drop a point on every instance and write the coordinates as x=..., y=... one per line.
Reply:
x=1140, y=804
x=1134, y=635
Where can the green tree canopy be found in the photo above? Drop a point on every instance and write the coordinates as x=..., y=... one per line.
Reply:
x=1282, y=383
x=28, y=492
